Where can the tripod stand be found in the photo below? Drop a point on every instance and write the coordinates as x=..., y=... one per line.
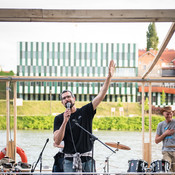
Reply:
x=40, y=158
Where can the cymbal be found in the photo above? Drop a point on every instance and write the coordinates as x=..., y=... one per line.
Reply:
x=170, y=146
x=117, y=145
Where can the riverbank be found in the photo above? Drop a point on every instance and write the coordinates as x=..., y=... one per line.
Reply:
x=45, y=108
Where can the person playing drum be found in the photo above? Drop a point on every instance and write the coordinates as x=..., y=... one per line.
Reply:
x=166, y=133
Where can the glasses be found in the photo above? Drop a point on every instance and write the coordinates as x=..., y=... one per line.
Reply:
x=69, y=96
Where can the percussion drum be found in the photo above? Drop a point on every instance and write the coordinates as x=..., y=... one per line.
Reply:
x=160, y=166
x=137, y=166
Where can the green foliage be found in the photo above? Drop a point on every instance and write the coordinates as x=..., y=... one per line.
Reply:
x=152, y=38
x=100, y=123
x=2, y=90
x=163, y=98
x=125, y=123
x=3, y=122
x=119, y=103
x=2, y=73
x=3, y=84
x=29, y=122
x=146, y=105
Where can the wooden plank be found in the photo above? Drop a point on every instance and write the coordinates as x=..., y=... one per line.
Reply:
x=106, y=15
x=143, y=121
x=85, y=79
x=11, y=149
x=7, y=116
x=150, y=122
x=21, y=13
x=147, y=153
x=15, y=116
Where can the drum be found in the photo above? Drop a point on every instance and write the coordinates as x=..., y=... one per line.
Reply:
x=137, y=166
x=160, y=166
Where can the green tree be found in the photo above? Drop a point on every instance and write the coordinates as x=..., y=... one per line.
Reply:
x=119, y=103
x=2, y=73
x=163, y=98
x=146, y=105
x=152, y=38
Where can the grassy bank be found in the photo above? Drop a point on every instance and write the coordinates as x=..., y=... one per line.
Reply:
x=99, y=123
x=44, y=108
x=37, y=115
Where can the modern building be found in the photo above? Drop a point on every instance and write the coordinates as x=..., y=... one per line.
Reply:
x=76, y=59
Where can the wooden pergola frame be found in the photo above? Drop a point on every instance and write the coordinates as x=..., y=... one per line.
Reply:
x=124, y=15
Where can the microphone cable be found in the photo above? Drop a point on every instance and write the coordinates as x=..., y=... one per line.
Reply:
x=72, y=137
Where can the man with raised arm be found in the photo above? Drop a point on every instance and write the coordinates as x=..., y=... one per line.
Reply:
x=77, y=144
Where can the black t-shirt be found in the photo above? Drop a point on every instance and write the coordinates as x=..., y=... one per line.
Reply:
x=83, y=116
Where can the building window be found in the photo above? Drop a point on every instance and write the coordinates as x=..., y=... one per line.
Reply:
x=122, y=72
x=85, y=97
x=21, y=83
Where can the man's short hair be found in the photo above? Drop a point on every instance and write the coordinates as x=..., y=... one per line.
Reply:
x=167, y=109
x=65, y=92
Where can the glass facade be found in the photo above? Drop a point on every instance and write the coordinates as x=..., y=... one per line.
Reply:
x=72, y=60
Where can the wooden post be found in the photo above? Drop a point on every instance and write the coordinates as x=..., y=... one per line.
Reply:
x=150, y=121
x=11, y=150
x=143, y=121
x=7, y=117
x=15, y=117
x=147, y=153
x=147, y=146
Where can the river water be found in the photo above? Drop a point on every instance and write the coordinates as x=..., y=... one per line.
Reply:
x=33, y=141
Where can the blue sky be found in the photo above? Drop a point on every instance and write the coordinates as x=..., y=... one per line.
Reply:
x=11, y=33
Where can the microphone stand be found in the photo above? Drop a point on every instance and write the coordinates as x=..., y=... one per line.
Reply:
x=93, y=138
x=40, y=158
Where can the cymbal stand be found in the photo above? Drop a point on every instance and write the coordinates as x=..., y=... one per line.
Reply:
x=107, y=160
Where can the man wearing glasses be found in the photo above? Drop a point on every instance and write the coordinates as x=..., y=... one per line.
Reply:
x=77, y=144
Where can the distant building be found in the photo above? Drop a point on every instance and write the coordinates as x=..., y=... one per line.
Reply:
x=76, y=59
x=165, y=67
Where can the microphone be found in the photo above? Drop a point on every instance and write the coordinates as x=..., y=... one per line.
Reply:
x=68, y=105
x=47, y=140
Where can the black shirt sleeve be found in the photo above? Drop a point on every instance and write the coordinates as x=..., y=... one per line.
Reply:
x=58, y=121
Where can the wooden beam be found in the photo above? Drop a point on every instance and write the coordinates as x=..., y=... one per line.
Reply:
x=143, y=121
x=162, y=48
x=7, y=116
x=85, y=79
x=15, y=116
x=150, y=121
x=106, y=15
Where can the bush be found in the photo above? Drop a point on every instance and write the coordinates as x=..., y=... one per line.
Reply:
x=156, y=110
x=101, y=123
